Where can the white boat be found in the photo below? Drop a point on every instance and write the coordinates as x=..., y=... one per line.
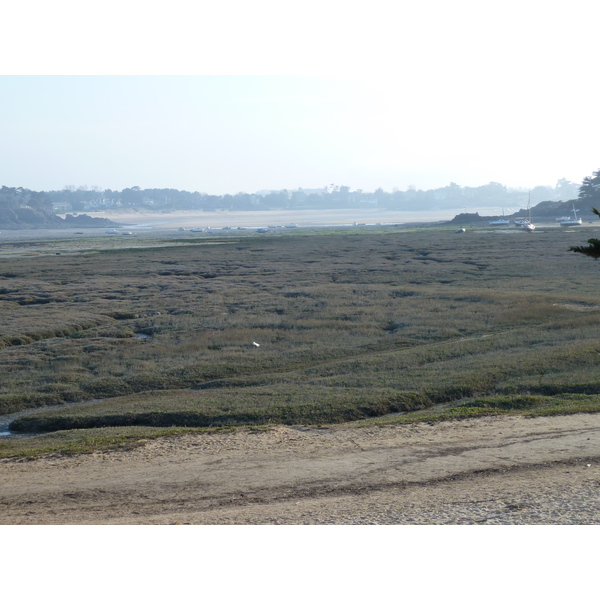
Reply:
x=500, y=222
x=526, y=224
x=571, y=222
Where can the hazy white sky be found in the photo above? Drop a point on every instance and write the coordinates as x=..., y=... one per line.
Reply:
x=242, y=96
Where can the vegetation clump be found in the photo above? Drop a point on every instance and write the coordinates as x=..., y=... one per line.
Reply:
x=593, y=247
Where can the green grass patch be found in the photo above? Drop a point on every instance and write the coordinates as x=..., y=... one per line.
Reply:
x=70, y=443
x=527, y=406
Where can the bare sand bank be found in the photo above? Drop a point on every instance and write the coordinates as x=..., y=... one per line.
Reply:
x=494, y=470
x=302, y=218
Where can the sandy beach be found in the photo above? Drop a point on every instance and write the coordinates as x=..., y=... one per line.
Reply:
x=493, y=470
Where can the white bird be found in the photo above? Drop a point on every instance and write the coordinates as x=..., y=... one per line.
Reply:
x=257, y=345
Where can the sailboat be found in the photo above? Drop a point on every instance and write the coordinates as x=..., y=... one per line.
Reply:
x=527, y=224
x=500, y=221
x=568, y=222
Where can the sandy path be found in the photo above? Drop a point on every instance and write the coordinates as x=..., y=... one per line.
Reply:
x=490, y=470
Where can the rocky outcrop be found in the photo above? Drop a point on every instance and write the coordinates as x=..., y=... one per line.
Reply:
x=87, y=221
x=467, y=218
x=29, y=218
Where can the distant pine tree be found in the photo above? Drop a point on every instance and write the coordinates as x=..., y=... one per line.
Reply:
x=590, y=188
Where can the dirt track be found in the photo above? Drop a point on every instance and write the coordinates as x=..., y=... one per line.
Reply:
x=490, y=470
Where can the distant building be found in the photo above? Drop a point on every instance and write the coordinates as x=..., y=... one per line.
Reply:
x=100, y=203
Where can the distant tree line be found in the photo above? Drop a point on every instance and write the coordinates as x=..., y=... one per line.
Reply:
x=14, y=198
x=81, y=199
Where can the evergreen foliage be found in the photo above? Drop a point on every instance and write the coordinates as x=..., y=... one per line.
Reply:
x=590, y=188
x=590, y=191
x=593, y=249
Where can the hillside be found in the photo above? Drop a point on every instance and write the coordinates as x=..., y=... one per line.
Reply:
x=549, y=210
x=553, y=210
x=31, y=218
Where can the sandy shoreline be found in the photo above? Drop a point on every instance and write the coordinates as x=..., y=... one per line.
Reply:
x=494, y=470
x=169, y=223
x=302, y=218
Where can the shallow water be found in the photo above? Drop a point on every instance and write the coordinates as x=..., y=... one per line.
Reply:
x=6, y=420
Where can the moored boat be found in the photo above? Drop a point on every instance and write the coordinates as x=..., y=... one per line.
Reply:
x=571, y=222
x=527, y=224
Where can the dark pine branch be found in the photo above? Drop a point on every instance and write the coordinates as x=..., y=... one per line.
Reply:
x=592, y=250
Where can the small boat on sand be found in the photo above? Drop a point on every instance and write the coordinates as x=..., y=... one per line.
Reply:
x=571, y=222
x=527, y=224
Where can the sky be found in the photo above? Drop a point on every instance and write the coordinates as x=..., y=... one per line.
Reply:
x=236, y=96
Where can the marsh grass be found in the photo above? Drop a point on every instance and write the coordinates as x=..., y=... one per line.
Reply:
x=523, y=405
x=72, y=442
x=349, y=326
